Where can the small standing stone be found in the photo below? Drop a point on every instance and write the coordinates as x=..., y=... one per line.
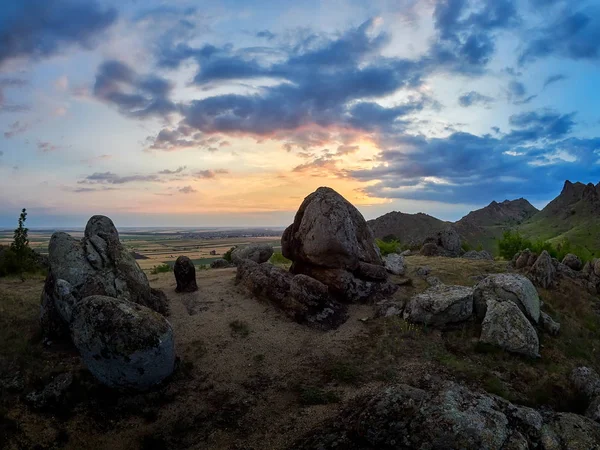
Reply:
x=185, y=275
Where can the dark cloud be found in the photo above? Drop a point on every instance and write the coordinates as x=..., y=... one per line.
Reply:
x=517, y=93
x=545, y=124
x=134, y=95
x=187, y=190
x=112, y=178
x=208, y=174
x=554, y=79
x=41, y=28
x=172, y=172
x=266, y=34
x=87, y=189
x=575, y=34
x=474, y=98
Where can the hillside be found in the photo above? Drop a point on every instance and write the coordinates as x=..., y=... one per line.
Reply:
x=574, y=216
x=410, y=229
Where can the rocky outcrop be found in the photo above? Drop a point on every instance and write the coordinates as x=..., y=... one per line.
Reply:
x=572, y=261
x=447, y=243
x=440, y=305
x=302, y=298
x=98, y=264
x=331, y=242
x=506, y=326
x=448, y=417
x=543, y=271
x=511, y=287
x=549, y=325
x=394, y=264
x=123, y=344
x=185, y=275
x=53, y=395
x=220, y=264
x=587, y=382
x=259, y=253
x=483, y=254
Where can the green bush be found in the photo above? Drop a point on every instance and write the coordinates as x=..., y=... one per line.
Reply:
x=466, y=247
x=19, y=258
x=227, y=255
x=512, y=243
x=278, y=258
x=162, y=268
x=387, y=247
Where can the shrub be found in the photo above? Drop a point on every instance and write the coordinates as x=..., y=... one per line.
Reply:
x=278, y=258
x=512, y=243
x=387, y=247
x=162, y=268
x=227, y=255
x=466, y=247
x=19, y=258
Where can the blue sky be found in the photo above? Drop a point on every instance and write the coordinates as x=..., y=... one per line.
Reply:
x=229, y=113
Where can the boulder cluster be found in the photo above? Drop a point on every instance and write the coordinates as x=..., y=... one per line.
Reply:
x=335, y=261
x=546, y=271
x=97, y=294
x=507, y=307
x=446, y=415
x=443, y=243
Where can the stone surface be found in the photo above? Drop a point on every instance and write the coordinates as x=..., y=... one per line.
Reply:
x=430, y=249
x=444, y=243
x=220, y=264
x=506, y=326
x=511, y=287
x=329, y=232
x=259, y=253
x=587, y=381
x=543, y=271
x=98, y=264
x=423, y=271
x=572, y=261
x=53, y=394
x=123, y=344
x=440, y=305
x=185, y=275
x=549, y=325
x=483, y=254
x=449, y=417
x=394, y=264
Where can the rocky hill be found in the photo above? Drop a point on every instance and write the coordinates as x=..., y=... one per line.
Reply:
x=410, y=229
x=574, y=216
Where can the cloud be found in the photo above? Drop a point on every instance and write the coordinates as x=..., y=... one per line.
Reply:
x=209, y=174
x=187, y=190
x=61, y=84
x=87, y=189
x=517, y=93
x=266, y=34
x=346, y=150
x=134, y=95
x=112, y=178
x=38, y=29
x=11, y=83
x=46, y=147
x=544, y=124
x=574, y=34
x=554, y=79
x=172, y=172
x=16, y=128
x=474, y=98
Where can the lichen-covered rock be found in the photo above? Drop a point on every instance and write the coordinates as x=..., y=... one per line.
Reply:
x=572, y=261
x=264, y=280
x=54, y=394
x=259, y=253
x=596, y=266
x=506, y=326
x=543, y=271
x=123, y=344
x=185, y=275
x=394, y=264
x=328, y=231
x=570, y=432
x=98, y=264
x=440, y=305
x=587, y=381
x=549, y=325
x=483, y=254
x=430, y=249
x=511, y=287
x=423, y=271
x=220, y=264
x=433, y=281
x=444, y=243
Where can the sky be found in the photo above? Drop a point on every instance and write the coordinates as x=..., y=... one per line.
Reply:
x=229, y=113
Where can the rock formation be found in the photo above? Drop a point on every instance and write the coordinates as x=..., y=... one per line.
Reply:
x=259, y=253
x=124, y=344
x=98, y=264
x=440, y=305
x=394, y=264
x=185, y=275
x=572, y=261
x=543, y=271
x=587, y=382
x=443, y=243
x=331, y=242
x=220, y=264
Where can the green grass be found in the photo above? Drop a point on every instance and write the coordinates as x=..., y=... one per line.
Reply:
x=162, y=268
x=387, y=247
x=279, y=259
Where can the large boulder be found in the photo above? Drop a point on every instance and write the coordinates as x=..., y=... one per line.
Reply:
x=123, y=344
x=185, y=275
x=440, y=305
x=543, y=271
x=220, y=264
x=444, y=243
x=524, y=259
x=328, y=231
x=587, y=382
x=259, y=253
x=98, y=264
x=394, y=264
x=549, y=325
x=331, y=242
x=572, y=261
x=511, y=287
x=506, y=326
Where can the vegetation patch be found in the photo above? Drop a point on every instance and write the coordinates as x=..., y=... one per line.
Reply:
x=239, y=328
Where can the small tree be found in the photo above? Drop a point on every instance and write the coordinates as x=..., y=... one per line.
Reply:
x=20, y=245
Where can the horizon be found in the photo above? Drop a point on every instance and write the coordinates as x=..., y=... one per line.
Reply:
x=228, y=115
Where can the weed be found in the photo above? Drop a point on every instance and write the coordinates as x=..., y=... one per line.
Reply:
x=162, y=268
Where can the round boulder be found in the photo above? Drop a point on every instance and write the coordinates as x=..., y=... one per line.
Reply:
x=572, y=261
x=185, y=275
x=440, y=305
x=259, y=253
x=123, y=344
x=220, y=264
x=394, y=264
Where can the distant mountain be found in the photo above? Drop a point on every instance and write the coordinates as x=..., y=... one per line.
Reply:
x=574, y=216
x=409, y=229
